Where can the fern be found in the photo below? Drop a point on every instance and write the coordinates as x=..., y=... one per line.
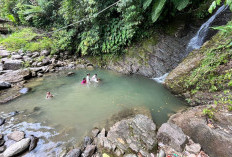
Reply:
x=146, y=4
x=180, y=4
x=157, y=9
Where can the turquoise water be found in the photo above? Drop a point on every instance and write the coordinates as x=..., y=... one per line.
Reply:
x=76, y=109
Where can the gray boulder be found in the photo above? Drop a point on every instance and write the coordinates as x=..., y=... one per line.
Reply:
x=87, y=141
x=45, y=53
x=2, y=141
x=12, y=64
x=89, y=151
x=95, y=132
x=2, y=149
x=74, y=153
x=173, y=136
x=136, y=134
x=4, y=53
x=16, y=136
x=4, y=85
x=17, y=147
x=16, y=76
x=35, y=54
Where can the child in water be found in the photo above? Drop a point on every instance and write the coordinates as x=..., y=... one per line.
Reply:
x=83, y=81
x=49, y=95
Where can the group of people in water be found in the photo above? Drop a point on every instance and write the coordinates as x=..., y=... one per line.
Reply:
x=86, y=80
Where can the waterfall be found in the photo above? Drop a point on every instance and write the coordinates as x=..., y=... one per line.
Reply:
x=161, y=79
x=197, y=41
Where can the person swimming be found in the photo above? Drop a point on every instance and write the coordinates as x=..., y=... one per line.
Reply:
x=94, y=78
x=49, y=95
x=88, y=78
x=83, y=81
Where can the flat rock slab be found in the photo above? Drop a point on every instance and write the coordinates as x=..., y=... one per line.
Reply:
x=15, y=76
x=173, y=136
x=16, y=136
x=74, y=153
x=89, y=151
x=12, y=64
x=17, y=147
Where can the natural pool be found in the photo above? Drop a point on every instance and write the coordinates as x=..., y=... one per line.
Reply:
x=76, y=109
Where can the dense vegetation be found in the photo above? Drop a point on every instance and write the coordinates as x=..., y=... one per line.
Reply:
x=106, y=33
x=85, y=28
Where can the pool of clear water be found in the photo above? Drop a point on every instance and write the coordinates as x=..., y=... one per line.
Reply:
x=76, y=109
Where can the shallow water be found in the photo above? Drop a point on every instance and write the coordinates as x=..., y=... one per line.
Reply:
x=76, y=109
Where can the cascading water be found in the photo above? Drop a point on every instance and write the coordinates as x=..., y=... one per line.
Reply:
x=161, y=79
x=197, y=41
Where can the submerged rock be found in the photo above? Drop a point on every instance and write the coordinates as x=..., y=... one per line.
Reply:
x=24, y=90
x=16, y=136
x=17, y=148
x=33, y=143
x=2, y=121
x=70, y=73
x=172, y=135
x=12, y=114
x=74, y=153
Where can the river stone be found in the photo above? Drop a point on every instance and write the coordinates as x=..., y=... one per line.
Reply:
x=173, y=136
x=1, y=136
x=33, y=143
x=89, y=151
x=2, y=121
x=4, y=53
x=16, y=136
x=74, y=153
x=125, y=134
x=95, y=132
x=2, y=149
x=194, y=148
x=2, y=141
x=45, y=53
x=4, y=85
x=17, y=57
x=17, y=147
x=35, y=54
x=12, y=64
x=70, y=73
x=12, y=114
x=87, y=141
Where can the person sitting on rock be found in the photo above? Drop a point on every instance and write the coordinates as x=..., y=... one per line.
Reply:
x=88, y=78
x=49, y=95
x=94, y=78
x=83, y=81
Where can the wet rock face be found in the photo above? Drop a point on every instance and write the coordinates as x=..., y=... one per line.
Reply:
x=170, y=134
x=17, y=148
x=136, y=134
x=214, y=141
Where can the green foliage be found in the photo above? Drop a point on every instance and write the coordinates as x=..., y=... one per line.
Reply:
x=229, y=107
x=26, y=64
x=40, y=59
x=209, y=112
x=25, y=39
x=218, y=2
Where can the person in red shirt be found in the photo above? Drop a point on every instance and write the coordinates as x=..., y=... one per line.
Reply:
x=83, y=81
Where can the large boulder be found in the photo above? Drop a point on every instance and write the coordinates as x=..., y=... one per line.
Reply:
x=4, y=53
x=16, y=76
x=44, y=53
x=135, y=134
x=215, y=142
x=17, y=57
x=17, y=147
x=172, y=135
x=4, y=85
x=12, y=64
